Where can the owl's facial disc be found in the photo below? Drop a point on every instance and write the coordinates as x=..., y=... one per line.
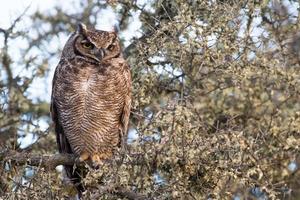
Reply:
x=97, y=52
x=96, y=45
x=85, y=48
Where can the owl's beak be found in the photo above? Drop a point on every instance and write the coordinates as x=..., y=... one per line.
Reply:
x=100, y=53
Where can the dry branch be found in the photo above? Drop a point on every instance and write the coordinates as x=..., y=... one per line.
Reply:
x=46, y=161
x=49, y=162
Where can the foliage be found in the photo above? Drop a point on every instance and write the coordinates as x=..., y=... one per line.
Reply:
x=215, y=106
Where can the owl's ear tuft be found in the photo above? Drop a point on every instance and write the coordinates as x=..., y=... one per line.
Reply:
x=81, y=28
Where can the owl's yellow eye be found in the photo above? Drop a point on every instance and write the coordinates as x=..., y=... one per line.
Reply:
x=87, y=45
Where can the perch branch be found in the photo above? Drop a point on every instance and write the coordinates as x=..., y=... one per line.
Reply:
x=47, y=161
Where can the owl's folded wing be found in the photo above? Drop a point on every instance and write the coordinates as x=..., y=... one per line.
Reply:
x=62, y=141
x=127, y=103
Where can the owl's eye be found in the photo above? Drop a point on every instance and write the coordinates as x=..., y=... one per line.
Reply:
x=87, y=45
x=110, y=47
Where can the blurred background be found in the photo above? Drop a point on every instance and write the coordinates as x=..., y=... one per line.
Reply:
x=216, y=102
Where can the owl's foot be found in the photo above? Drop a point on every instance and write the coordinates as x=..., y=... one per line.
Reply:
x=83, y=156
x=97, y=160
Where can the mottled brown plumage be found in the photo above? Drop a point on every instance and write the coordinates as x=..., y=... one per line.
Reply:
x=91, y=96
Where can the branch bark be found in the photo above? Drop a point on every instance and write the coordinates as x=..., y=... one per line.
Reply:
x=48, y=162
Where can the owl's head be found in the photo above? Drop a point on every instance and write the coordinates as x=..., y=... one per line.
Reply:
x=92, y=45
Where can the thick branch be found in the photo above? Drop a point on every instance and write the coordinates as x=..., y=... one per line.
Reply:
x=47, y=161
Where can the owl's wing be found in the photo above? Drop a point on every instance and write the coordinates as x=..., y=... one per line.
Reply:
x=127, y=103
x=61, y=139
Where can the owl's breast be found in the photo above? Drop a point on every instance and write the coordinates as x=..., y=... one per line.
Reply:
x=91, y=104
x=85, y=84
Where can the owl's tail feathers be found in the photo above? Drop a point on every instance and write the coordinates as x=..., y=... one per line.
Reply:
x=73, y=176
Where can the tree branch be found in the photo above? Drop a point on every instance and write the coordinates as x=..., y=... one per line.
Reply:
x=48, y=162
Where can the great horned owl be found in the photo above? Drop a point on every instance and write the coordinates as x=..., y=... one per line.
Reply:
x=91, y=97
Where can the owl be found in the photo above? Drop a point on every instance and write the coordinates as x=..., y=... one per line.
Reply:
x=91, y=97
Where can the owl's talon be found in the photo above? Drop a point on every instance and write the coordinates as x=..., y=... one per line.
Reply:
x=96, y=165
x=96, y=160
